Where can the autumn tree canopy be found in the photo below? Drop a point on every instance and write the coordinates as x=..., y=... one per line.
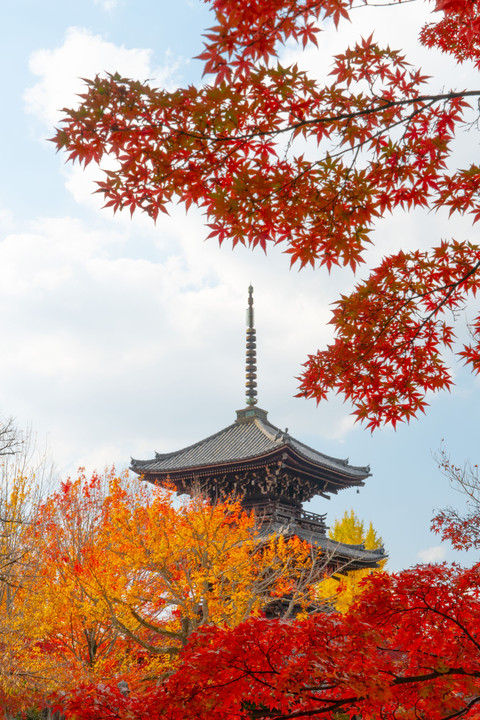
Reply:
x=344, y=589
x=112, y=576
x=131, y=606
x=408, y=648
x=274, y=156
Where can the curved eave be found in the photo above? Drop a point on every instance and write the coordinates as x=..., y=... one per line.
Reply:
x=252, y=443
x=336, y=476
x=341, y=556
x=327, y=460
x=329, y=479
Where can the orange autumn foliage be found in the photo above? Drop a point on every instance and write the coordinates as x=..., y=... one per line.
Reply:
x=19, y=559
x=126, y=572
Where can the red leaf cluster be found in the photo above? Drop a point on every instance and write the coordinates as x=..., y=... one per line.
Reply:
x=243, y=150
x=391, y=331
x=458, y=32
x=409, y=648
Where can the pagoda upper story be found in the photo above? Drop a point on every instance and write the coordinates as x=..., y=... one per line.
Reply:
x=254, y=459
x=271, y=471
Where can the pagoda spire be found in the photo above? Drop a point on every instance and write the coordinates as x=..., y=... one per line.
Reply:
x=251, y=364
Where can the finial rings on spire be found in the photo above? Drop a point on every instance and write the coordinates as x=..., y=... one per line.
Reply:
x=251, y=359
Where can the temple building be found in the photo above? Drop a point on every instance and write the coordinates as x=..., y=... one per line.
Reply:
x=271, y=471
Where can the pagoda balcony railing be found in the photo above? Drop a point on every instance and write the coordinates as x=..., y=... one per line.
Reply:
x=268, y=512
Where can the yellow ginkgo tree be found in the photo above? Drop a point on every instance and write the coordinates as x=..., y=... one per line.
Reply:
x=343, y=589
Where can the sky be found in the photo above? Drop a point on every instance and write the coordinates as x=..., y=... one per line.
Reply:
x=121, y=337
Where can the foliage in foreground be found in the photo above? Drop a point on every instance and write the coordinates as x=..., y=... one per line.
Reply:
x=135, y=607
x=409, y=648
x=120, y=575
x=242, y=148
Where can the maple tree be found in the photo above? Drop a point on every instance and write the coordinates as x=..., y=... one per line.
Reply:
x=239, y=147
x=125, y=574
x=408, y=648
x=161, y=570
x=344, y=589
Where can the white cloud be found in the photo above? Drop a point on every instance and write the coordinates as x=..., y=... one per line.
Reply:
x=148, y=296
x=107, y=5
x=100, y=344
x=432, y=554
x=6, y=220
x=84, y=55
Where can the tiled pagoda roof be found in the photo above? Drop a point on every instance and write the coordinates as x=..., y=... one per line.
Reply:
x=252, y=441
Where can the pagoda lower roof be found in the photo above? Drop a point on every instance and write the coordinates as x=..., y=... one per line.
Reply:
x=251, y=441
x=345, y=557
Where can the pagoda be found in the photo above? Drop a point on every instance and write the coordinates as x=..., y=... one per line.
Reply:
x=268, y=469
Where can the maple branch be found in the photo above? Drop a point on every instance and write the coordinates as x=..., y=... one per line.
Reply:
x=284, y=19
x=385, y=4
x=455, y=622
x=464, y=711
x=276, y=28
x=150, y=626
x=398, y=681
x=434, y=675
x=333, y=705
x=355, y=149
x=329, y=120
x=452, y=287
x=428, y=101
